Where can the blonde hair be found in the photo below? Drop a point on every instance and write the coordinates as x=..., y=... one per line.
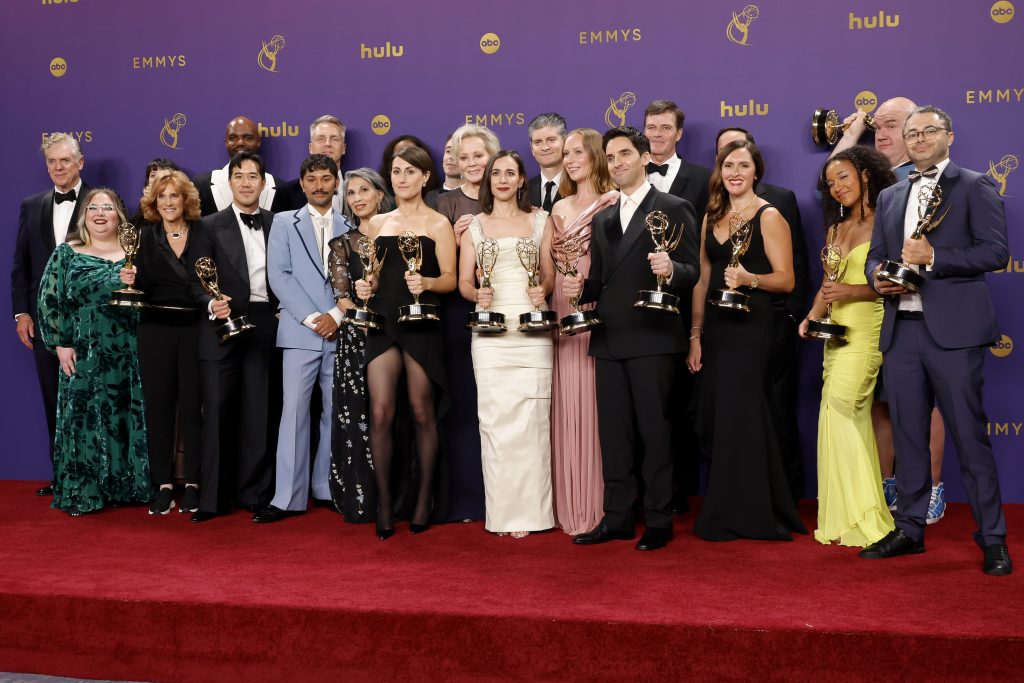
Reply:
x=82, y=237
x=490, y=140
x=57, y=138
x=163, y=178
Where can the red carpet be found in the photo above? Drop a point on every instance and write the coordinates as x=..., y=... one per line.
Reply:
x=122, y=594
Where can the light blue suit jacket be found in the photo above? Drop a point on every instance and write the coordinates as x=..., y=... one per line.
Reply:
x=297, y=276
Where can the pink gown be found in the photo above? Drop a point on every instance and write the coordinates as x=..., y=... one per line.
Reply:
x=575, y=449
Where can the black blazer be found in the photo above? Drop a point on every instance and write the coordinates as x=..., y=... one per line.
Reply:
x=534, y=187
x=162, y=277
x=207, y=204
x=33, y=247
x=618, y=272
x=785, y=201
x=691, y=183
x=288, y=197
x=220, y=239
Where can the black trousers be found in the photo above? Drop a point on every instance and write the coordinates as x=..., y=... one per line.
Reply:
x=47, y=367
x=783, y=388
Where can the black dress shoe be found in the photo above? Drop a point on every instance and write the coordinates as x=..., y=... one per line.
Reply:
x=274, y=514
x=323, y=503
x=602, y=534
x=894, y=544
x=202, y=516
x=654, y=539
x=45, y=491
x=75, y=512
x=997, y=560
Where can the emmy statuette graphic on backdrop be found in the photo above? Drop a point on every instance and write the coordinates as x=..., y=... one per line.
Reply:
x=615, y=114
x=206, y=271
x=740, y=234
x=169, y=133
x=834, y=268
x=666, y=238
x=363, y=316
x=566, y=259
x=738, y=29
x=129, y=297
x=535, y=320
x=998, y=172
x=483, y=320
x=826, y=129
x=267, y=58
x=905, y=274
x=411, y=249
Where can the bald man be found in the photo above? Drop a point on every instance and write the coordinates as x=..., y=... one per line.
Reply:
x=889, y=118
x=242, y=134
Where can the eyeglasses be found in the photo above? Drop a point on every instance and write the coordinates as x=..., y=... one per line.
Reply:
x=105, y=208
x=928, y=133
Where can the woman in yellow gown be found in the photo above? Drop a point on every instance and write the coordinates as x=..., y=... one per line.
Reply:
x=851, y=508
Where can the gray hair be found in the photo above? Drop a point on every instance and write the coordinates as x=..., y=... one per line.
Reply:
x=550, y=118
x=376, y=182
x=57, y=138
x=471, y=130
x=327, y=118
x=947, y=121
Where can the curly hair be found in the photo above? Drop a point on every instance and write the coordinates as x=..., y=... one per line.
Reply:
x=864, y=159
x=190, y=196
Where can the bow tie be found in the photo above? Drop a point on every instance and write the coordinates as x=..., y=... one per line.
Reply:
x=59, y=197
x=252, y=220
x=655, y=168
x=928, y=173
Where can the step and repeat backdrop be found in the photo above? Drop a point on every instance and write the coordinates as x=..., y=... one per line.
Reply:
x=135, y=80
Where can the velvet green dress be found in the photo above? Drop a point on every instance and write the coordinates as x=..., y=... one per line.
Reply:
x=100, y=450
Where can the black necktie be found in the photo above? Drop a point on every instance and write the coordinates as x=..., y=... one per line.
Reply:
x=68, y=196
x=252, y=220
x=931, y=172
x=655, y=168
x=548, y=196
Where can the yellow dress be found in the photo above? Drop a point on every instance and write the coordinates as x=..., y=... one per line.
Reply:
x=851, y=507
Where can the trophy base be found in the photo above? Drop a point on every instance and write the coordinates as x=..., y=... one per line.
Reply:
x=233, y=327
x=657, y=300
x=414, y=313
x=537, y=321
x=579, y=321
x=730, y=298
x=364, y=318
x=825, y=127
x=901, y=274
x=486, y=322
x=128, y=298
x=824, y=328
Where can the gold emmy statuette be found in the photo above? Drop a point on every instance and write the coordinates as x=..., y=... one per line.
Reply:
x=566, y=260
x=206, y=270
x=666, y=238
x=740, y=234
x=905, y=274
x=411, y=249
x=483, y=320
x=362, y=316
x=128, y=238
x=536, y=320
x=834, y=268
x=826, y=129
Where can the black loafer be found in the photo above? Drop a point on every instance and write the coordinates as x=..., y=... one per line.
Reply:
x=997, y=560
x=895, y=543
x=323, y=503
x=200, y=516
x=275, y=514
x=654, y=539
x=602, y=534
x=45, y=491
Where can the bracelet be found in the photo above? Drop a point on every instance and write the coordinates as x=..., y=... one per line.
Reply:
x=756, y=282
x=696, y=336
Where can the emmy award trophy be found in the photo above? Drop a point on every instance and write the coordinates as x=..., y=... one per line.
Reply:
x=483, y=320
x=206, y=270
x=825, y=328
x=826, y=128
x=128, y=238
x=411, y=249
x=566, y=260
x=362, y=316
x=535, y=320
x=666, y=238
x=740, y=233
x=905, y=274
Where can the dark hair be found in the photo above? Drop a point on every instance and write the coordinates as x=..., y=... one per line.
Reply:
x=880, y=176
x=419, y=158
x=665, y=107
x=729, y=129
x=317, y=162
x=160, y=164
x=639, y=140
x=389, y=153
x=553, y=119
x=487, y=195
x=946, y=119
x=245, y=155
x=718, y=196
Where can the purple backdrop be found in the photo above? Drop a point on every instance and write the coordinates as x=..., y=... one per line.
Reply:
x=116, y=72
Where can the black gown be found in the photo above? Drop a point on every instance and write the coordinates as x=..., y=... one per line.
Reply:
x=748, y=493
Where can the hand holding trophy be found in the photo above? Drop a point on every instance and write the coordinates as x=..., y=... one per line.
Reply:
x=566, y=259
x=536, y=320
x=411, y=250
x=206, y=271
x=666, y=237
x=905, y=274
x=740, y=234
x=826, y=128
x=362, y=316
x=129, y=297
x=483, y=320
x=834, y=268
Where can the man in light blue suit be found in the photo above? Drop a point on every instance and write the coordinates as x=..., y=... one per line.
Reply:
x=298, y=272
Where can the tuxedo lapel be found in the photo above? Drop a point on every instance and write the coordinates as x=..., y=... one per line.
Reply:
x=680, y=182
x=155, y=232
x=46, y=222
x=228, y=232
x=947, y=183
x=303, y=226
x=637, y=227
x=73, y=225
x=221, y=189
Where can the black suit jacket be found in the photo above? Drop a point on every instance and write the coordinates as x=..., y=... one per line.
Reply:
x=691, y=183
x=785, y=201
x=221, y=240
x=619, y=271
x=207, y=205
x=288, y=197
x=534, y=187
x=165, y=280
x=33, y=247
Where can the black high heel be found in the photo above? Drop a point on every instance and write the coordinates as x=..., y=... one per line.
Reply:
x=384, y=534
x=415, y=528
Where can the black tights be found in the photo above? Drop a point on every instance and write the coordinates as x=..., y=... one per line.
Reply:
x=382, y=379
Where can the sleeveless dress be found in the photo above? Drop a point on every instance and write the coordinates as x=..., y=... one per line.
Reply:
x=748, y=493
x=851, y=506
x=513, y=379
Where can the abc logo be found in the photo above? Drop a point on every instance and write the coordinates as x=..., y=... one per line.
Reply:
x=58, y=67
x=866, y=101
x=1002, y=11
x=1003, y=347
x=490, y=43
x=380, y=125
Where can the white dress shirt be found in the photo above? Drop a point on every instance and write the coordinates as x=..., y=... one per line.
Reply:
x=255, y=258
x=62, y=215
x=912, y=302
x=663, y=183
x=557, y=180
x=629, y=203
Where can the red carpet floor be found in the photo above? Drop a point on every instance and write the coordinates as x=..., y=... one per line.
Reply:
x=122, y=594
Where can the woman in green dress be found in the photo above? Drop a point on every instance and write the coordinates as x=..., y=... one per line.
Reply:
x=100, y=448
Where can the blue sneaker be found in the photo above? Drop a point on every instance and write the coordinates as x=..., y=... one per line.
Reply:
x=937, y=504
x=889, y=491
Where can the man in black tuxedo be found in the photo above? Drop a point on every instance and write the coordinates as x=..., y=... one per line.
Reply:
x=242, y=135
x=636, y=350
x=547, y=136
x=46, y=220
x=237, y=376
x=784, y=360
x=667, y=171
x=326, y=136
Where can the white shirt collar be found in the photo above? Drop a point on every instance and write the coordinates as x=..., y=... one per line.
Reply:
x=77, y=188
x=557, y=178
x=638, y=194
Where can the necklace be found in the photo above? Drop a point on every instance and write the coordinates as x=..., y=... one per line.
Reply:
x=739, y=212
x=177, y=234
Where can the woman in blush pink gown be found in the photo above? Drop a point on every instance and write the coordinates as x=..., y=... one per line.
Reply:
x=575, y=449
